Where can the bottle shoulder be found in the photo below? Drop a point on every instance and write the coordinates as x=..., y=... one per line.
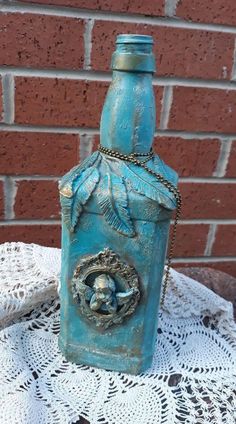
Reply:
x=121, y=191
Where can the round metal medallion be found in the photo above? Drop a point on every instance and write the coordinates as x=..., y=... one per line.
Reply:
x=106, y=289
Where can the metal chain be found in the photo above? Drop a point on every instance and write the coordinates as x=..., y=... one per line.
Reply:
x=172, y=189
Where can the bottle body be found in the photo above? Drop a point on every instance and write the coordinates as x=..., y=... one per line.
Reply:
x=128, y=346
x=116, y=219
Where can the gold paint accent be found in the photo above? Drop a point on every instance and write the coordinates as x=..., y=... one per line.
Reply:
x=66, y=191
x=128, y=61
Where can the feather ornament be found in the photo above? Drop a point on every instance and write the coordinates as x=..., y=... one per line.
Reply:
x=84, y=184
x=147, y=185
x=66, y=183
x=85, y=187
x=113, y=201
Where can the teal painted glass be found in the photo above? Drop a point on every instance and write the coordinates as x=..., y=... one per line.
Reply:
x=115, y=227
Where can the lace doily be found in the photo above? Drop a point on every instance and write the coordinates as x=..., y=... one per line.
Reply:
x=192, y=379
x=29, y=276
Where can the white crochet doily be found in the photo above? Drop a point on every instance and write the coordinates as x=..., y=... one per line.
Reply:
x=192, y=379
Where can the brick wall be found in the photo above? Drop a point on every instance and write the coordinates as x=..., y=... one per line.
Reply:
x=54, y=57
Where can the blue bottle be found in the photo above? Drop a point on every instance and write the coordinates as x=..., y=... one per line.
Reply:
x=115, y=226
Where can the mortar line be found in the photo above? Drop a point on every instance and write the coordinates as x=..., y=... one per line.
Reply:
x=10, y=190
x=58, y=221
x=77, y=148
x=80, y=74
x=87, y=130
x=35, y=177
x=166, y=107
x=207, y=221
x=86, y=146
x=50, y=129
x=170, y=7
x=211, y=180
x=195, y=82
x=87, y=149
x=88, y=43
x=18, y=7
x=8, y=88
x=93, y=75
x=30, y=222
x=210, y=239
x=188, y=135
x=198, y=259
x=234, y=62
x=223, y=158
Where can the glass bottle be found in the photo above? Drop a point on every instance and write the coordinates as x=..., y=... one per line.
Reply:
x=115, y=226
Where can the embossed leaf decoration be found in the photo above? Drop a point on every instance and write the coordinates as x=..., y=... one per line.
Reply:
x=113, y=201
x=85, y=185
x=149, y=187
x=73, y=207
x=165, y=170
x=66, y=203
x=66, y=183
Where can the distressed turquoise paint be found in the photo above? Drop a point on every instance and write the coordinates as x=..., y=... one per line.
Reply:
x=128, y=116
x=107, y=203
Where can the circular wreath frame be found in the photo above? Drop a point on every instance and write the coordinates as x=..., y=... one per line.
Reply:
x=109, y=262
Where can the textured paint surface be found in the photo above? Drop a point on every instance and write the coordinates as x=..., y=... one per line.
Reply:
x=124, y=209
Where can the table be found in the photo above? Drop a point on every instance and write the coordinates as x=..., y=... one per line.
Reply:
x=191, y=381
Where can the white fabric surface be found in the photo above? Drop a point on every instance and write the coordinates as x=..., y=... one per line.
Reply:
x=192, y=379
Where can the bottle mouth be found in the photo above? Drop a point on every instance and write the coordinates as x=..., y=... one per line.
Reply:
x=133, y=53
x=134, y=39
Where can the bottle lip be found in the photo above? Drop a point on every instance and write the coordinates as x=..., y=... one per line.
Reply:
x=134, y=39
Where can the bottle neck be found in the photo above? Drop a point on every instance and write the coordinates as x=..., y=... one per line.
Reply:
x=128, y=116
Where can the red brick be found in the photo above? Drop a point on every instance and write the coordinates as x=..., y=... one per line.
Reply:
x=37, y=200
x=149, y=7
x=203, y=109
x=28, y=153
x=1, y=103
x=179, y=52
x=225, y=241
x=46, y=235
x=190, y=158
x=214, y=11
x=95, y=141
x=191, y=240
x=1, y=200
x=31, y=40
x=208, y=200
x=62, y=102
x=231, y=166
x=226, y=266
